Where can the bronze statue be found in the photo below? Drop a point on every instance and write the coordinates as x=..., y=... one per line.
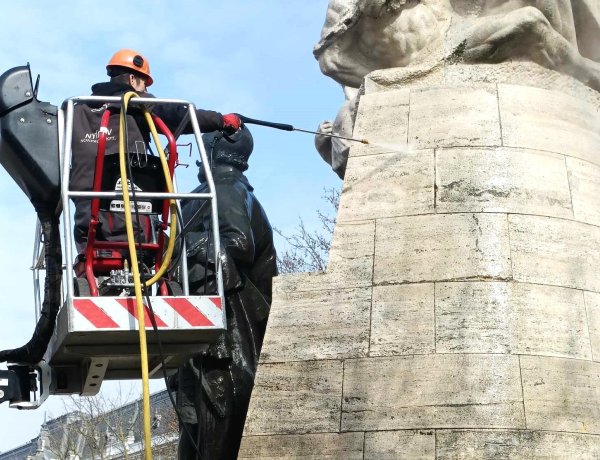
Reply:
x=214, y=388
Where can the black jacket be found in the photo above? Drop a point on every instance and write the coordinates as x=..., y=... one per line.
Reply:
x=86, y=125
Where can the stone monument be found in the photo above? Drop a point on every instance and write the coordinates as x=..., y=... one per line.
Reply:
x=361, y=36
x=459, y=316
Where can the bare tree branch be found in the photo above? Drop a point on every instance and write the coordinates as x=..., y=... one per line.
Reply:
x=103, y=428
x=308, y=250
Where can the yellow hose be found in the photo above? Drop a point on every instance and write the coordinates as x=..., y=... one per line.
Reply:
x=136, y=282
x=134, y=262
x=173, y=228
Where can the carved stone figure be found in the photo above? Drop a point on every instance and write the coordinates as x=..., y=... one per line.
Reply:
x=335, y=150
x=360, y=36
x=557, y=34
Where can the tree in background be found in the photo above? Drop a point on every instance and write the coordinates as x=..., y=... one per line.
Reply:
x=102, y=428
x=308, y=250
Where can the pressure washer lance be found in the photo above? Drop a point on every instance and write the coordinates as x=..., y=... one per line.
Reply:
x=286, y=127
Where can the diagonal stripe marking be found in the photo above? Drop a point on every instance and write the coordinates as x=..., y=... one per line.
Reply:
x=189, y=312
x=130, y=305
x=94, y=314
x=217, y=302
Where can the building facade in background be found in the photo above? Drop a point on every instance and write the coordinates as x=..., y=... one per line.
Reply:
x=95, y=431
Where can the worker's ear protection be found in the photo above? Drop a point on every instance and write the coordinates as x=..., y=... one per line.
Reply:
x=138, y=61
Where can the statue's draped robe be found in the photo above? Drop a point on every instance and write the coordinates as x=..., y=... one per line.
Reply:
x=214, y=388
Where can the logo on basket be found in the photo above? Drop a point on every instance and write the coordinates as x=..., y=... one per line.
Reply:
x=93, y=137
x=119, y=186
x=119, y=206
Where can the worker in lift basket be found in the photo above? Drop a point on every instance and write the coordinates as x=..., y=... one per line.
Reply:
x=128, y=71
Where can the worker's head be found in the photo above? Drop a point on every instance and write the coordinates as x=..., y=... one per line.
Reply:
x=231, y=149
x=131, y=68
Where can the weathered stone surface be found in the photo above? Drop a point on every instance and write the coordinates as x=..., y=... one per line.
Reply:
x=351, y=240
x=382, y=118
x=454, y=117
x=515, y=445
x=548, y=120
x=402, y=320
x=432, y=391
x=442, y=247
x=400, y=445
x=303, y=447
x=395, y=78
x=310, y=325
x=404, y=186
x=517, y=318
x=501, y=180
x=296, y=282
x=469, y=75
x=505, y=349
x=519, y=73
x=350, y=263
x=584, y=179
x=297, y=397
x=555, y=251
x=351, y=255
x=592, y=304
x=561, y=394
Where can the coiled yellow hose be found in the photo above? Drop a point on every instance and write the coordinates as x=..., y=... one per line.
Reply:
x=172, y=207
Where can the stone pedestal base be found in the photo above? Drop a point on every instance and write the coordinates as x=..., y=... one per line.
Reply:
x=460, y=313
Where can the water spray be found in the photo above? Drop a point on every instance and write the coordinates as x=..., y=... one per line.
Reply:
x=286, y=127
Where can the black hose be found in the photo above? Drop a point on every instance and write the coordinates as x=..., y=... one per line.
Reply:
x=269, y=124
x=33, y=351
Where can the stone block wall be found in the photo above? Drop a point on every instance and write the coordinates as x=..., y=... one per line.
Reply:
x=460, y=313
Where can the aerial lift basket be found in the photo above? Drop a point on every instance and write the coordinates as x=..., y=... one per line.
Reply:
x=96, y=336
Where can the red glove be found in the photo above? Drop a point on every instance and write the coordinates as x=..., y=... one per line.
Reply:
x=231, y=123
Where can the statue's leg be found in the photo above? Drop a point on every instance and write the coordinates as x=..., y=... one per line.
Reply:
x=527, y=33
x=186, y=449
x=188, y=386
x=559, y=13
x=221, y=405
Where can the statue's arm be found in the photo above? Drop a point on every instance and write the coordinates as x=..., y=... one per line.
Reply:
x=323, y=143
x=235, y=225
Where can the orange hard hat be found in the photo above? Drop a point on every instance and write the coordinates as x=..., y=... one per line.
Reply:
x=132, y=60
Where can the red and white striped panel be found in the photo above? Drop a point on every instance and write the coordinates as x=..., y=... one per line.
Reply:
x=120, y=313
